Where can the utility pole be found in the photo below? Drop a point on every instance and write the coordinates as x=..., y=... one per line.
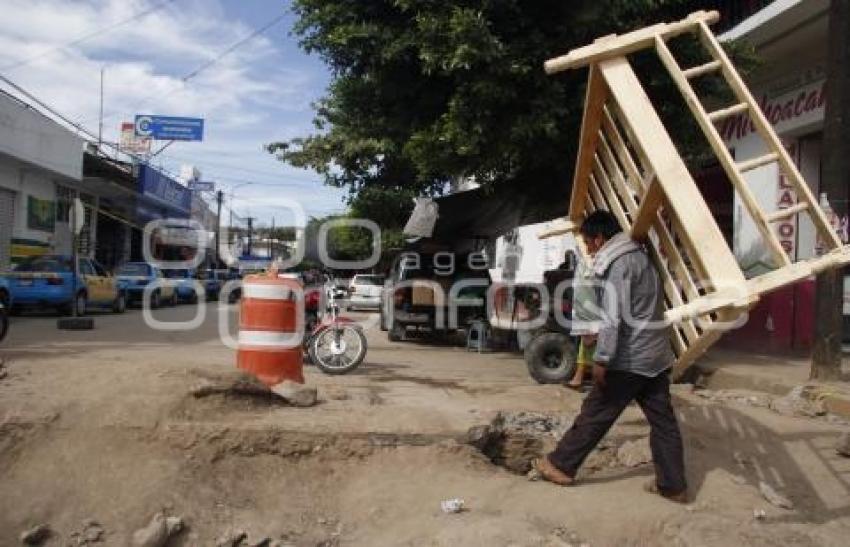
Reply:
x=271, y=245
x=835, y=179
x=100, y=118
x=219, y=197
x=250, y=221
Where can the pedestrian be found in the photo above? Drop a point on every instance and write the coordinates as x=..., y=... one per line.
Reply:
x=585, y=318
x=631, y=362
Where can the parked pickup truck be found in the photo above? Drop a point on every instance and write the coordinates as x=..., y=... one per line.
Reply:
x=418, y=293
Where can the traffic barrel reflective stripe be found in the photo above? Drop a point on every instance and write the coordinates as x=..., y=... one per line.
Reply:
x=269, y=341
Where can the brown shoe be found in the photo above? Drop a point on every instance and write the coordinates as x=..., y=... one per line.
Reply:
x=679, y=497
x=551, y=473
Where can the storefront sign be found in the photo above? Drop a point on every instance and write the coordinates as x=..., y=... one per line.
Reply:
x=786, y=230
x=785, y=112
x=169, y=128
x=132, y=144
x=41, y=214
x=164, y=189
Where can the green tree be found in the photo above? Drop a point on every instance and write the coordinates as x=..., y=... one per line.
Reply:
x=426, y=90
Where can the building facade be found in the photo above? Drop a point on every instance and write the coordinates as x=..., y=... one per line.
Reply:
x=41, y=166
x=790, y=38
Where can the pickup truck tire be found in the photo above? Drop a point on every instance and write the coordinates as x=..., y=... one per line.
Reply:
x=396, y=332
x=551, y=358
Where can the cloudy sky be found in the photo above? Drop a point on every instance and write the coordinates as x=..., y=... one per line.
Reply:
x=259, y=93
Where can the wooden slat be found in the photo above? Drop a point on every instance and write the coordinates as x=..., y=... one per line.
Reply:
x=618, y=46
x=736, y=83
x=665, y=238
x=755, y=163
x=726, y=160
x=616, y=140
x=724, y=113
x=594, y=102
x=788, y=212
x=648, y=211
x=560, y=227
x=700, y=231
x=697, y=71
x=670, y=289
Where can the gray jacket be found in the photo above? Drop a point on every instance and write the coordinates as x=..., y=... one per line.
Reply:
x=632, y=336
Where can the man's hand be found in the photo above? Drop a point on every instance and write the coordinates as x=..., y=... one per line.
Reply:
x=598, y=375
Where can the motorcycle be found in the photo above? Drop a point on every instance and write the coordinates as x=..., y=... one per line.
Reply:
x=335, y=344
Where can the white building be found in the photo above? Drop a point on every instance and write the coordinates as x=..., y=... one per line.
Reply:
x=41, y=164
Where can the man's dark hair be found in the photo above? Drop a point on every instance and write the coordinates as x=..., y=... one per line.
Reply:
x=600, y=223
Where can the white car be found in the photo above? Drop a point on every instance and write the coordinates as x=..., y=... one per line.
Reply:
x=365, y=292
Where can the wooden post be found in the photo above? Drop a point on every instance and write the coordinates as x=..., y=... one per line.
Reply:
x=829, y=295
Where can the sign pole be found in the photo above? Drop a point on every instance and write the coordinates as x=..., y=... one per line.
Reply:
x=219, y=197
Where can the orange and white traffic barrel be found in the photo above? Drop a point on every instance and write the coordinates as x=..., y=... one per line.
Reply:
x=269, y=342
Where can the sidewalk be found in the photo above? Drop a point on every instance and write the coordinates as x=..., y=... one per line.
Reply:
x=773, y=374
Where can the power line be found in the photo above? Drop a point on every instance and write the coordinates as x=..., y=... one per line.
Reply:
x=206, y=64
x=78, y=127
x=86, y=37
x=222, y=165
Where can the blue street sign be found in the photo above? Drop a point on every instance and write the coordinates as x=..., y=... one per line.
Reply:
x=169, y=128
x=201, y=185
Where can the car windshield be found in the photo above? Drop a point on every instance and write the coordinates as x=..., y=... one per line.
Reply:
x=44, y=264
x=369, y=280
x=134, y=269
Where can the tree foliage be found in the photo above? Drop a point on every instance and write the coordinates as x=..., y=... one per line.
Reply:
x=426, y=90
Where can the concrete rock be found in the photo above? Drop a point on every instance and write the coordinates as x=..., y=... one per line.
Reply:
x=843, y=446
x=798, y=402
x=231, y=538
x=36, y=535
x=158, y=531
x=634, y=453
x=774, y=497
x=296, y=394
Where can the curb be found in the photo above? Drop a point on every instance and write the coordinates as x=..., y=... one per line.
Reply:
x=834, y=397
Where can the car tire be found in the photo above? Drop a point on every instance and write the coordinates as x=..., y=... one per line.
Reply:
x=396, y=332
x=382, y=321
x=551, y=358
x=172, y=301
x=81, y=303
x=155, y=301
x=120, y=304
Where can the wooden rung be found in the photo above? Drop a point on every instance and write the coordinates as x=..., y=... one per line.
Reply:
x=702, y=69
x=718, y=115
x=788, y=212
x=755, y=163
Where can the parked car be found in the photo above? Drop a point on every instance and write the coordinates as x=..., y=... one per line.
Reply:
x=365, y=292
x=5, y=306
x=135, y=277
x=214, y=281
x=5, y=293
x=183, y=281
x=48, y=280
x=418, y=291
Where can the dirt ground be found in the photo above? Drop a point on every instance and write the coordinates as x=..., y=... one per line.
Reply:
x=103, y=426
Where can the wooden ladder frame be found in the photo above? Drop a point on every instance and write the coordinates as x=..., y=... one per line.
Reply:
x=628, y=164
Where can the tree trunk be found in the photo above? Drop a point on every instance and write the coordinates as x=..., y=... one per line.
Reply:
x=835, y=179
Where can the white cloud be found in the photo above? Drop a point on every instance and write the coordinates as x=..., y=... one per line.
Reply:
x=250, y=97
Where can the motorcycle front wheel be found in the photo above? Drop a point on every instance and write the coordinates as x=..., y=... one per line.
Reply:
x=338, y=350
